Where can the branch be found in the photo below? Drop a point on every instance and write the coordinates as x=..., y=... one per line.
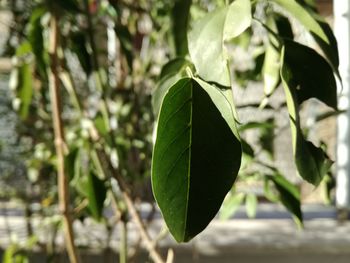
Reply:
x=63, y=191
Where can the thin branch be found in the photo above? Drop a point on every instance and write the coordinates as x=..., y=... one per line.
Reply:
x=63, y=190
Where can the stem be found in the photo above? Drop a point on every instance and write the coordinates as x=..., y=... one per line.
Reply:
x=63, y=190
x=137, y=220
x=123, y=250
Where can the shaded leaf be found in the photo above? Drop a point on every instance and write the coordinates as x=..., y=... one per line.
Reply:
x=196, y=156
x=311, y=76
x=96, y=194
x=311, y=161
x=206, y=40
x=289, y=196
x=36, y=39
x=70, y=163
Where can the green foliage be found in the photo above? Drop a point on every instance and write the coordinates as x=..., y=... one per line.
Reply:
x=208, y=36
x=196, y=156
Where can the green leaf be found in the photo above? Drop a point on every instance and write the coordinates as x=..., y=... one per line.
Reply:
x=36, y=39
x=330, y=49
x=24, y=80
x=301, y=14
x=231, y=205
x=71, y=162
x=289, y=196
x=180, y=19
x=196, y=156
x=96, y=194
x=267, y=136
x=271, y=68
x=170, y=74
x=311, y=161
x=251, y=203
x=311, y=75
x=207, y=38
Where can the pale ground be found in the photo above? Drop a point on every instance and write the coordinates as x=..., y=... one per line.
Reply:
x=272, y=237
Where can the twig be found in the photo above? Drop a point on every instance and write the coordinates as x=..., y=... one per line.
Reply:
x=137, y=220
x=63, y=190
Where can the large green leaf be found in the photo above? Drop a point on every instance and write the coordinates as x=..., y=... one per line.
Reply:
x=311, y=161
x=312, y=76
x=207, y=38
x=180, y=19
x=196, y=157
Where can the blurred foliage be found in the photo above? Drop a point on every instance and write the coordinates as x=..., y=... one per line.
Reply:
x=113, y=55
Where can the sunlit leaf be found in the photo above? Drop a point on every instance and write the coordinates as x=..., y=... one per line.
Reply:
x=207, y=38
x=303, y=16
x=231, y=205
x=196, y=157
x=251, y=203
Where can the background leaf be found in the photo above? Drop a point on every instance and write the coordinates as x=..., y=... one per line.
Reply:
x=180, y=19
x=311, y=79
x=207, y=37
x=231, y=205
x=311, y=161
x=96, y=194
x=251, y=203
x=289, y=196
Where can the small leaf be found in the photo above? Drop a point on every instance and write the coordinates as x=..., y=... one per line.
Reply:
x=207, y=38
x=251, y=203
x=70, y=163
x=24, y=82
x=231, y=205
x=196, y=156
x=311, y=161
x=36, y=39
x=96, y=194
x=170, y=74
x=271, y=68
x=289, y=196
